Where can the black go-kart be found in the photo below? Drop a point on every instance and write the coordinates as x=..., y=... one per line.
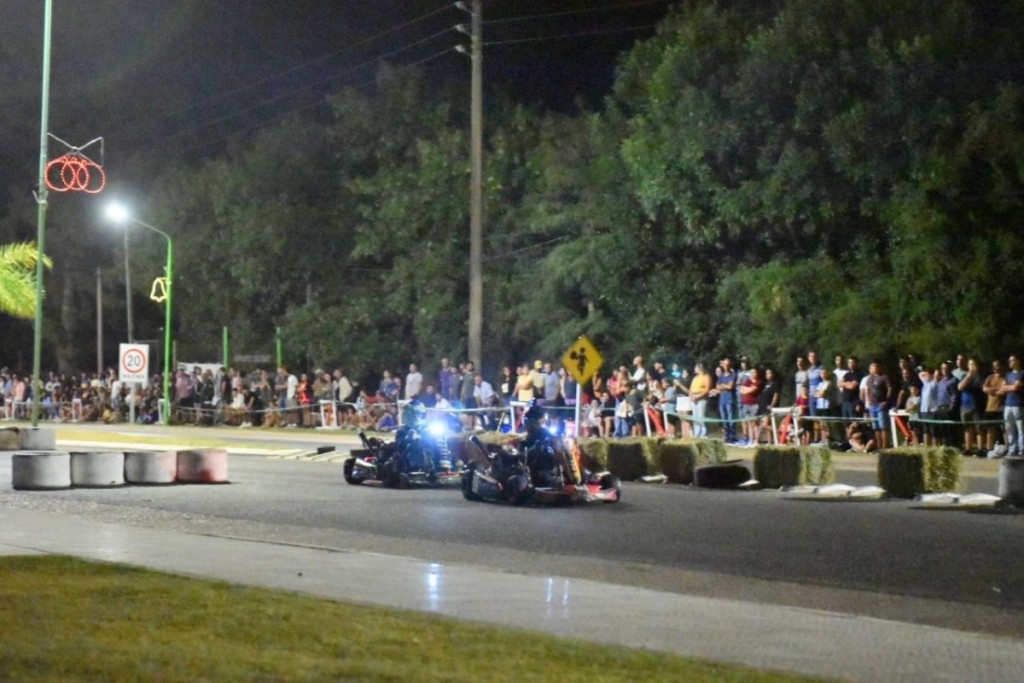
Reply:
x=522, y=475
x=413, y=459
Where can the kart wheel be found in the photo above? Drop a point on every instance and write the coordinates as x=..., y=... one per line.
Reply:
x=403, y=481
x=517, y=488
x=347, y=469
x=610, y=482
x=467, y=483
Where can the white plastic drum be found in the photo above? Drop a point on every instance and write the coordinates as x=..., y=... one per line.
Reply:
x=97, y=469
x=38, y=439
x=40, y=470
x=203, y=466
x=1011, y=479
x=151, y=467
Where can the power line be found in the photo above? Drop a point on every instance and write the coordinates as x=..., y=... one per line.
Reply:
x=306, y=87
x=592, y=10
x=365, y=84
x=322, y=59
x=583, y=34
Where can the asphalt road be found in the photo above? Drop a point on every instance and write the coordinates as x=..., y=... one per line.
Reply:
x=885, y=559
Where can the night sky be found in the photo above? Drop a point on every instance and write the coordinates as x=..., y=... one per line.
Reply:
x=144, y=72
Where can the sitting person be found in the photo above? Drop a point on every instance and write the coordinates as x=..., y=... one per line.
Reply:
x=387, y=422
x=860, y=437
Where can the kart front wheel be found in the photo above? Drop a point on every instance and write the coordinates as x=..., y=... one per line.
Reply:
x=348, y=468
x=610, y=482
x=467, y=483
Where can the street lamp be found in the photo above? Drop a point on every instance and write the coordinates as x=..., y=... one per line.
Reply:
x=119, y=214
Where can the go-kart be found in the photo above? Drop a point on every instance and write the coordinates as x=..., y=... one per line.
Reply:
x=508, y=474
x=413, y=459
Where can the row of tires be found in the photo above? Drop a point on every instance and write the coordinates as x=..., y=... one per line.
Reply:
x=49, y=470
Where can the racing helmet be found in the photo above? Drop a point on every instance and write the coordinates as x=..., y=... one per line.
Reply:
x=414, y=413
x=533, y=415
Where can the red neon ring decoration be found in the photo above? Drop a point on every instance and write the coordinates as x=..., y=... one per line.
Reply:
x=75, y=172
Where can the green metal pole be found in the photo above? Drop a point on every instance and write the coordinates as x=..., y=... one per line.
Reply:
x=167, y=329
x=44, y=125
x=280, y=354
x=227, y=348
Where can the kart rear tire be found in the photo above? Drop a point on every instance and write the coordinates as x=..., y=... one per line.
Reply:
x=609, y=482
x=517, y=489
x=347, y=469
x=467, y=483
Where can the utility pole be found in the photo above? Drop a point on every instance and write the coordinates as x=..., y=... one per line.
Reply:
x=99, y=323
x=476, y=203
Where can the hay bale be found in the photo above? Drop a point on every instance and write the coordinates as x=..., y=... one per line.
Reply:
x=710, y=451
x=779, y=466
x=594, y=453
x=10, y=439
x=627, y=459
x=908, y=472
x=677, y=459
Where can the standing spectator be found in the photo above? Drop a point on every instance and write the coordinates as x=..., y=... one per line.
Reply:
x=813, y=380
x=700, y=389
x=1013, y=413
x=766, y=401
x=483, y=394
x=304, y=399
x=850, y=393
x=684, y=404
x=507, y=385
x=972, y=404
x=525, y=391
x=447, y=380
x=552, y=386
x=822, y=404
x=946, y=409
x=639, y=376
x=929, y=399
x=413, y=382
x=750, y=390
x=801, y=379
x=281, y=391
x=726, y=389
x=993, y=405
x=879, y=394
x=538, y=377
x=467, y=387
x=389, y=388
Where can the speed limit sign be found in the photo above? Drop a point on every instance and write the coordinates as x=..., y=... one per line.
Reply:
x=134, y=365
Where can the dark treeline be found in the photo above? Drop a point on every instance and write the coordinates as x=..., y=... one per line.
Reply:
x=764, y=177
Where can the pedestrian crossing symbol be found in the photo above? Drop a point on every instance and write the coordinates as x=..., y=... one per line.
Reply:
x=582, y=360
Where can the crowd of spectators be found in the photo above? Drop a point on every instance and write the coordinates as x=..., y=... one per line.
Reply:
x=947, y=403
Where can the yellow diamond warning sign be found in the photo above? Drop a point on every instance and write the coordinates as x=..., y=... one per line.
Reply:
x=582, y=360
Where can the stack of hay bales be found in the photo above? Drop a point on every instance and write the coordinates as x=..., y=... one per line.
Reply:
x=908, y=472
x=779, y=466
x=633, y=458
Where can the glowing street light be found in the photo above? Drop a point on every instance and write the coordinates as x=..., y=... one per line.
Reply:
x=119, y=214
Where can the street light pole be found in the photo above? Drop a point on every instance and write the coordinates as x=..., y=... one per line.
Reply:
x=118, y=213
x=41, y=200
x=128, y=286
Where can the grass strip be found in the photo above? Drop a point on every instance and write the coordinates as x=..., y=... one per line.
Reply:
x=70, y=620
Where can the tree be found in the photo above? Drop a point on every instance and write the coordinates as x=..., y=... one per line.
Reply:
x=18, y=264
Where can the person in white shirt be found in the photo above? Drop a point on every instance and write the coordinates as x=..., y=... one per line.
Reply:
x=413, y=383
x=483, y=394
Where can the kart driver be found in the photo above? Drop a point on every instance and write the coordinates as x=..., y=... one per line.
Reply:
x=539, y=447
